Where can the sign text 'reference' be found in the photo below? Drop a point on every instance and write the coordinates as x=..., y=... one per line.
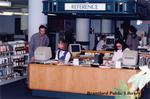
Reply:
x=85, y=6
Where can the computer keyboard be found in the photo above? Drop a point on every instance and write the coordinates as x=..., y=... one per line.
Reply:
x=47, y=62
x=82, y=56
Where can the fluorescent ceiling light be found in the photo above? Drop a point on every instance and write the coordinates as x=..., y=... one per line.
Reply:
x=19, y=13
x=13, y=13
x=7, y=13
x=5, y=3
x=52, y=14
x=25, y=14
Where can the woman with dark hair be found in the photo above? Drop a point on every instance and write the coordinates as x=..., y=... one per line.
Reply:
x=132, y=38
x=120, y=46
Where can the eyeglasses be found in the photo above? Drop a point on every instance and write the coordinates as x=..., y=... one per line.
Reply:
x=118, y=46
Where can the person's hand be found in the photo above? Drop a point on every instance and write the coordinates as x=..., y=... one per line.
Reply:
x=60, y=62
x=32, y=59
x=54, y=62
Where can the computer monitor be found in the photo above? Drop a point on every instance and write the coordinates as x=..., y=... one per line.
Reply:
x=130, y=58
x=75, y=49
x=110, y=40
x=43, y=53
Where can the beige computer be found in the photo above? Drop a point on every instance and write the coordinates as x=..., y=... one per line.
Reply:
x=75, y=49
x=130, y=58
x=43, y=53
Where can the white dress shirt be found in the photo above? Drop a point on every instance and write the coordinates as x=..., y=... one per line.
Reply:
x=67, y=58
x=118, y=55
x=100, y=45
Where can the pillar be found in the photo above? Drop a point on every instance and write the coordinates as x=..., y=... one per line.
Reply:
x=107, y=26
x=82, y=32
x=36, y=17
x=24, y=23
x=24, y=19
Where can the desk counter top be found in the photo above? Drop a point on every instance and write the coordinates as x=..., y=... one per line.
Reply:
x=76, y=79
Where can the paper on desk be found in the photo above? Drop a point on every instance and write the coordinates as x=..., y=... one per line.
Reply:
x=104, y=67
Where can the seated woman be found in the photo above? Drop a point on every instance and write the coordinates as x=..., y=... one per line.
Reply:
x=62, y=54
x=120, y=46
x=102, y=43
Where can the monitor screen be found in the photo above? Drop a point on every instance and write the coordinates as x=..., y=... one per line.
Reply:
x=75, y=48
x=110, y=41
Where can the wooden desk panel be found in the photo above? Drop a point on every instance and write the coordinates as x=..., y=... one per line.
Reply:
x=76, y=79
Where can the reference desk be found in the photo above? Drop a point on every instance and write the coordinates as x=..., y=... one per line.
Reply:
x=76, y=79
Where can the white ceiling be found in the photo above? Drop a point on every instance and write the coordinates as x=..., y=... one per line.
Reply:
x=16, y=5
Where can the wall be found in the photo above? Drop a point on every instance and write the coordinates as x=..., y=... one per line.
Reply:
x=102, y=25
x=96, y=25
x=118, y=24
x=7, y=24
x=141, y=28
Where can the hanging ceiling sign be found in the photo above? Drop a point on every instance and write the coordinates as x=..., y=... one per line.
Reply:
x=85, y=6
x=95, y=8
